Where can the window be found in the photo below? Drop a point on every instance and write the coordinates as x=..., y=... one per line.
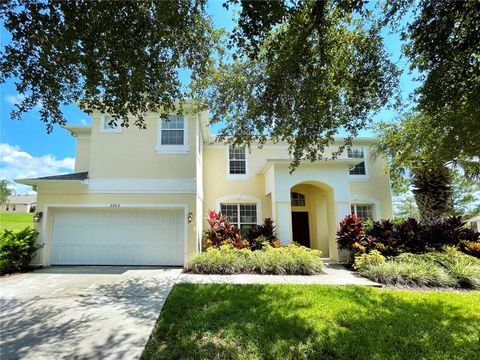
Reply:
x=237, y=161
x=110, y=125
x=172, y=135
x=297, y=199
x=173, y=131
x=365, y=211
x=357, y=153
x=473, y=226
x=243, y=216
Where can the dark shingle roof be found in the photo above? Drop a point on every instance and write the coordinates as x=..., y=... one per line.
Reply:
x=74, y=176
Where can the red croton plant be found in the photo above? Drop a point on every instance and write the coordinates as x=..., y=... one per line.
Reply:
x=222, y=232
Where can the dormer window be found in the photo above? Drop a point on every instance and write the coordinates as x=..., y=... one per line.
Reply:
x=172, y=133
x=357, y=153
x=108, y=124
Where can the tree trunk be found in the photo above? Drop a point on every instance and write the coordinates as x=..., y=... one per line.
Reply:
x=432, y=190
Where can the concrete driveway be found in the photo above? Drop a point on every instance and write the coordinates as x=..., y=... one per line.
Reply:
x=81, y=312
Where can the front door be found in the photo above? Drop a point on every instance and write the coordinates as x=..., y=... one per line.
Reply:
x=300, y=228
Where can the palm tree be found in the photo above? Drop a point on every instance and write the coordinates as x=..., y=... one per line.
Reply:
x=418, y=150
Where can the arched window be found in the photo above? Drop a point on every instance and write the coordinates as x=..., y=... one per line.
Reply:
x=297, y=199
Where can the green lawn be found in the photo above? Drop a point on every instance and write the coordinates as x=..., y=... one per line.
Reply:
x=15, y=221
x=315, y=322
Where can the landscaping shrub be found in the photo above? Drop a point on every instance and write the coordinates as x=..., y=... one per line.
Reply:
x=222, y=260
x=286, y=260
x=394, y=238
x=470, y=247
x=409, y=273
x=17, y=250
x=351, y=235
x=266, y=230
x=365, y=260
x=222, y=232
x=466, y=272
x=449, y=267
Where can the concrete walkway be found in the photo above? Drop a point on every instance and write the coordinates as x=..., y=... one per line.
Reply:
x=335, y=274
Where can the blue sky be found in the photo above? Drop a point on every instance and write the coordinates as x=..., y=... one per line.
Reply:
x=26, y=150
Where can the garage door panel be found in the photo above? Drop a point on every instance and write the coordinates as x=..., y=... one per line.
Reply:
x=117, y=237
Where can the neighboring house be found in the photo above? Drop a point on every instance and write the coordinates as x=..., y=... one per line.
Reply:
x=141, y=197
x=474, y=223
x=19, y=204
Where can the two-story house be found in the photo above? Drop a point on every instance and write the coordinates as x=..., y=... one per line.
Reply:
x=141, y=197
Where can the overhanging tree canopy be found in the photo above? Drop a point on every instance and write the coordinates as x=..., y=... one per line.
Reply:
x=302, y=77
x=119, y=57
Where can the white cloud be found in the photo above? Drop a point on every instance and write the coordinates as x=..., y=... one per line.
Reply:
x=83, y=121
x=17, y=164
x=14, y=99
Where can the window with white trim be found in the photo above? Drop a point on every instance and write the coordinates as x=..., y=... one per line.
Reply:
x=244, y=216
x=365, y=211
x=173, y=131
x=109, y=124
x=357, y=153
x=237, y=161
x=172, y=135
x=297, y=199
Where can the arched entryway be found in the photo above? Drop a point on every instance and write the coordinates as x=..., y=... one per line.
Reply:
x=313, y=215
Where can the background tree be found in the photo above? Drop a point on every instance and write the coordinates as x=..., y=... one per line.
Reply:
x=119, y=57
x=464, y=201
x=5, y=192
x=415, y=149
x=442, y=41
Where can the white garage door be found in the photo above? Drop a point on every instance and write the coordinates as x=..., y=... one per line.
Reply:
x=118, y=236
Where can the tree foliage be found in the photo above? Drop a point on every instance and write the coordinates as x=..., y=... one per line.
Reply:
x=416, y=150
x=297, y=71
x=5, y=192
x=442, y=41
x=119, y=57
x=319, y=69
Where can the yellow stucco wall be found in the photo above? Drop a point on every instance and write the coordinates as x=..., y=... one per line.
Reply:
x=82, y=158
x=376, y=185
x=131, y=153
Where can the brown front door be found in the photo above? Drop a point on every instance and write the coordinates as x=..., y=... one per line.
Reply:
x=300, y=228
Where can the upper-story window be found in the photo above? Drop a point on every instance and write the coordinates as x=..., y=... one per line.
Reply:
x=297, y=199
x=108, y=124
x=357, y=153
x=237, y=161
x=172, y=135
